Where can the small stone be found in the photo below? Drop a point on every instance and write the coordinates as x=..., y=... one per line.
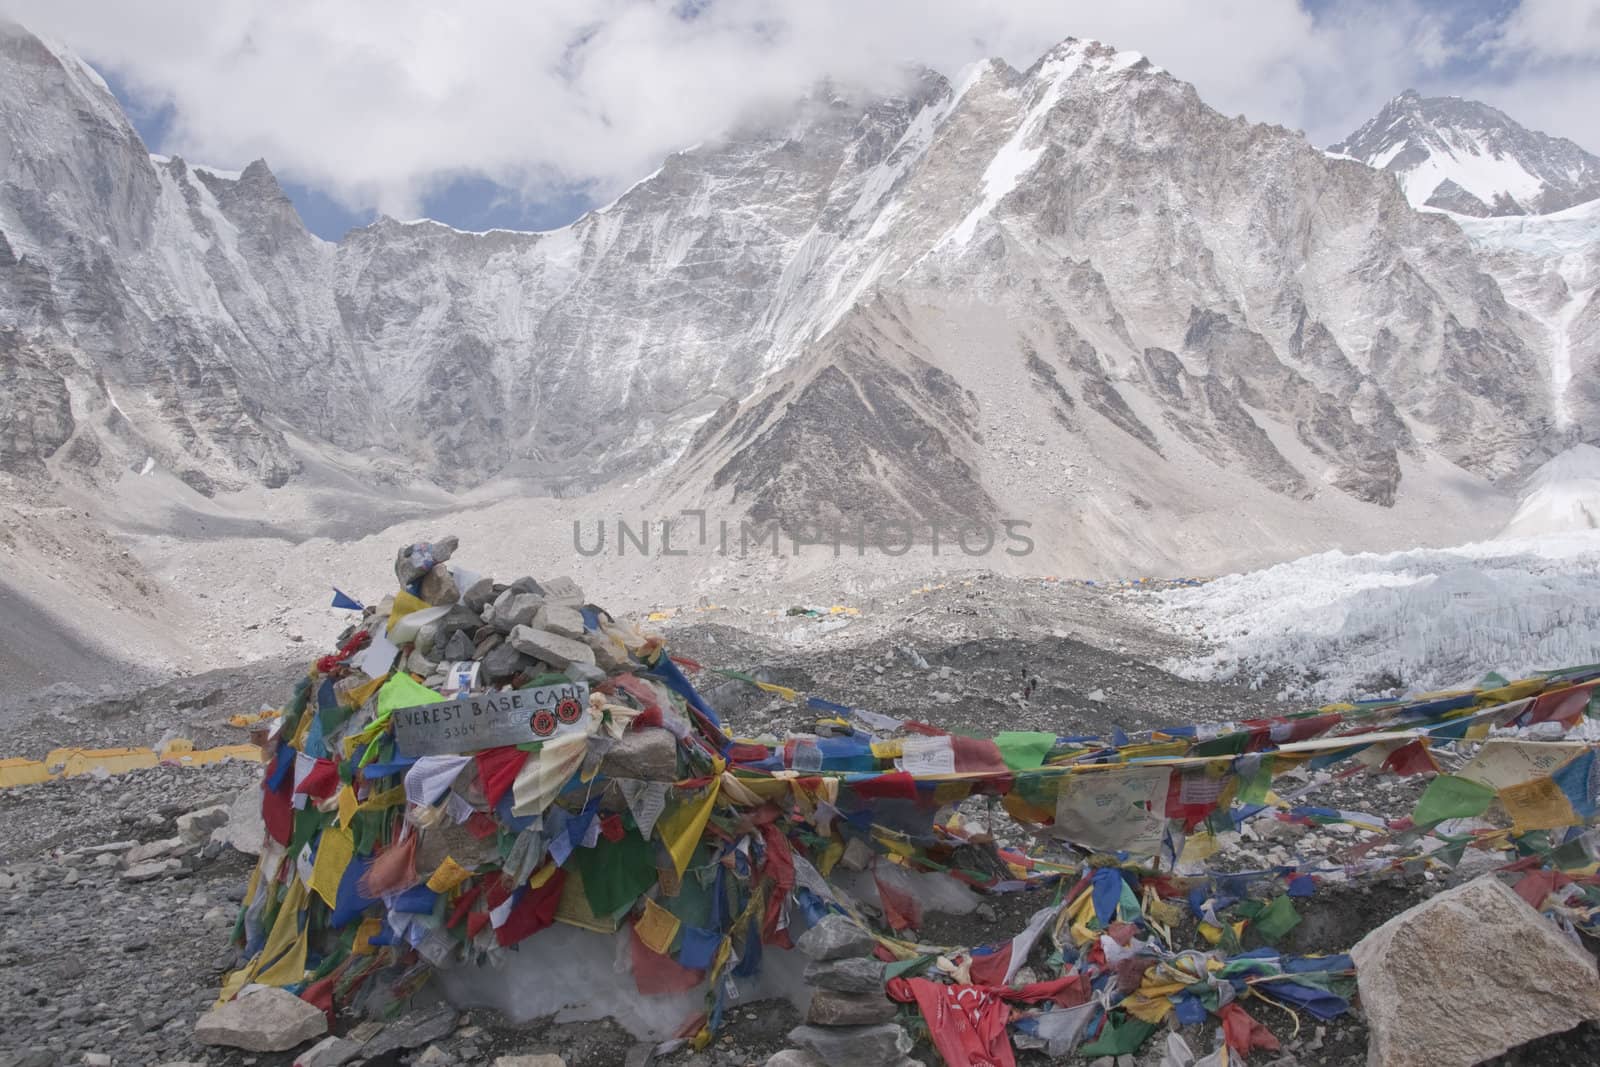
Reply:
x=835, y=937
x=513, y=609
x=545, y=1059
x=149, y=872
x=262, y=1020
x=560, y=619
x=218, y=917
x=847, y=975
x=329, y=1052
x=105, y=859
x=479, y=595
x=96, y=1059
x=640, y=1054
x=503, y=662
x=459, y=647
x=439, y=586
x=433, y=1055
x=562, y=589
x=830, y=1008
x=986, y=912
x=560, y=652
x=71, y=877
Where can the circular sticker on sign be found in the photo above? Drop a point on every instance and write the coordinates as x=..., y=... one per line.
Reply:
x=569, y=711
x=544, y=724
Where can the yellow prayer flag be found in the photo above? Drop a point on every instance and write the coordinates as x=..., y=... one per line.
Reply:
x=781, y=690
x=369, y=929
x=404, y=604
x=348, y=805
x=335, y=848
x=681, y=827
x=447, y=875
x=1537, y=805
x=656, y=927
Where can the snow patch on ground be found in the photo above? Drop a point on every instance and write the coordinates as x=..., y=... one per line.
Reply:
x=1335, y=626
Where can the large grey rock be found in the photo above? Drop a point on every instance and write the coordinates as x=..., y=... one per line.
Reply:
x=1466, y=975
x=649, y=755
x=412, y=1031
x=560, y=652
x=830, y=1008
x=853, y=975
x=514, y=608
x=854, y=1046
x=835, y=937
x=196, y=827
x=261, y=1020
x=560, y=619
x=153, y=850
x=150, y=870
x=244, y=829
x=329, y=1052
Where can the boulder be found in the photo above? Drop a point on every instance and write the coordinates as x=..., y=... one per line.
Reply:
x=560, y=652
x=514, y=608
x=847, y=975
x=829, y=1008
x=1466, y=975
x=854, y=1046
x=647, y=755
x=560, y=619
x=836, y=937
x=261, y=1020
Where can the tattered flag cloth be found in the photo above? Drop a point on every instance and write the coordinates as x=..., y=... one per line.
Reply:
x=708, y=847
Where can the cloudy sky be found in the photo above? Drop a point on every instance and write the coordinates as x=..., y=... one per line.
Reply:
x=522, y=114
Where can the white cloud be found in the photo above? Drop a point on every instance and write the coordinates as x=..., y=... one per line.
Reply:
x=379, y=102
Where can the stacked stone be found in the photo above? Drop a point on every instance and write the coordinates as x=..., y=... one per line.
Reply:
x=850, y=1022
x=518, y=629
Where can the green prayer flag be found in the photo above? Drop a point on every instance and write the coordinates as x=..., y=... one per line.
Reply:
x=1277, y=919
x=1024, y=750
x=1253, y=787
x=615, y=873
x=1450, y=797
x=1229, y=744
x=1119, y=1037
x=899, y=967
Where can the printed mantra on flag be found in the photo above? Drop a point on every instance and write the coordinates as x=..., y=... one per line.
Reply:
x=490, y=720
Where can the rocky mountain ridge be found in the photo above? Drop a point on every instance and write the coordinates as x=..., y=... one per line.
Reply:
x=1075, y=284
x=1467, y=157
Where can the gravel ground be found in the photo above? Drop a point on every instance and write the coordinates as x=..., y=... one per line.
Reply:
x=92, y=963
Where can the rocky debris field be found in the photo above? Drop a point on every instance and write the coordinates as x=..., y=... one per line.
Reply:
x=118, y=893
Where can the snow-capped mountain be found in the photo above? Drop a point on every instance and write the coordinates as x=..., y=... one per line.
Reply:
x=1074, y=292
x=1467, y=157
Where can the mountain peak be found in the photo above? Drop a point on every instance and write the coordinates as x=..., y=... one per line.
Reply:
x=1473, y=159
